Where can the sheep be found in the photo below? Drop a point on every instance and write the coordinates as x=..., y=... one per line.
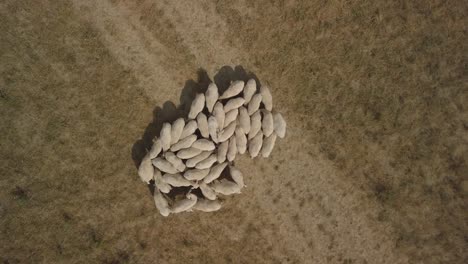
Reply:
x=155, y=149
x=213, y=128
x=279, y=125
x=146, y=169
x=225, y=187
x=204, y=144
x=255, y=145
x=175, y=161
x=191, y=163
x=222, y=151
x=188, y=153
x=267, y=123
x=207, y=205
x=197, y=105
x=237, y=176
x=255, y=124
x=244, y=119
x=267, y=99
x=231, y=116
x=215, y=172
x=176, y=180
x=207, y=163
x=254, y=104
x=184, y=143
x=176, y=130
x=165, y=136
x=207, y=191
x=202, y=123
x=249, y=90
x=189, y=129
x=233, y=104
x=219, y=114
x=164, y=165
x=185, y=204
x=161, y=203
x=234, y=89
x=232, y=149
x=211, y=96
x=196, y=174
x=241, y=140
x=159, y=183
x=227, y=132
x=268, y=144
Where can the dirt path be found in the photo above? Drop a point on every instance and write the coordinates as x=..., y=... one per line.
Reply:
x=371, y=171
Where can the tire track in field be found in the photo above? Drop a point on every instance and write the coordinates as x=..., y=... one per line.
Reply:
x=132, y=45
x=204, y=32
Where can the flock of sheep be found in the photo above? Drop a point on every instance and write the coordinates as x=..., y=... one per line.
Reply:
x=240, y=120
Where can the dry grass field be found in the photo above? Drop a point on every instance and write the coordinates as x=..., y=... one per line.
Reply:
x=373, y=168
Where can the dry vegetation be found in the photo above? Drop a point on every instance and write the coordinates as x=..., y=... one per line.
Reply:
x=373, y=169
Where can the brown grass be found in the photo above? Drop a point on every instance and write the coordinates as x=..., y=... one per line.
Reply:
x=373, y=169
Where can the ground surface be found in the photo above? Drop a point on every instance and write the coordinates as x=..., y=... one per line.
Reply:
x=373, y=168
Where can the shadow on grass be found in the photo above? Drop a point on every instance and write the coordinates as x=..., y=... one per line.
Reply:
x=169, y=112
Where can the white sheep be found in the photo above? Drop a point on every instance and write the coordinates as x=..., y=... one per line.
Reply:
x=233, y=104
x=176, y=130
x=191, y=163
x=237, y=176
x=234, y=89
x=184, y=143
x=146, y=170
x=222, y=151
x=165, y=136
x=227, y=132
x=159, y=183
x=207, y=205
x=155, y=149
x=232, y=149
x=207, y=191
x=244, y=119
x=249, y=90
x=267, y=99
x=204, y=144
x=185, y=204
x=175, y=161
x=267, y=123
x=207, y=163
x=189, y=129
x=211, y=96
x=255, y=145
x=219, y=114
x=254, y=103
x=197, y=105
x=279, y=125
x=268, y=144
x=188, y=153
x=241, y=140
x=213, y=128
x=164, y=165
x=196, y=174
x=231, y=116
x=202, y=123
x=225, y=187
x=161, y=203
x=215, y=172
x=176, y=180
x=255, y=124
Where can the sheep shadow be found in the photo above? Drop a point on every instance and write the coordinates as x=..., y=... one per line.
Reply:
x=169, y=112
